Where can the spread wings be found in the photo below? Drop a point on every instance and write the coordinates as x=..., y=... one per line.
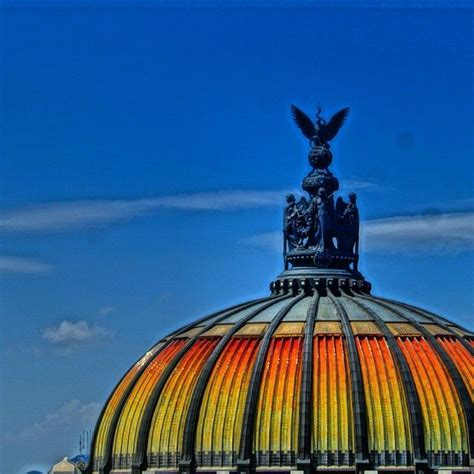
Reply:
x=303, y=122
x=329, y=131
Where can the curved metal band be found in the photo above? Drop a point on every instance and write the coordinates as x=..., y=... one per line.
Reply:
x=359, y=406
x=246, y=461
x=140, y=460
x=413, y=401
x=461, y=388
x=306, y=401
x=188, y=461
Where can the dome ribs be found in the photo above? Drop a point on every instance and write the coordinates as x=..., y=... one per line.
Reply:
x=241, y=399
x=303, y=461
x=188, y=461
x=165, y=438
x=291, y=407
x=246, y=460
x=414, y=406
x=276, y=428
x=443, y=417
x=332, y=440
x=346, y=418
x=359, y=404
x=226, y=368
x=400, y=410
x=436, y=319
x=450, y=372
x=112, y=405
x=127, y=426
x=245, y=353
x=266, y=410
x=140, y=459
x=462, y=358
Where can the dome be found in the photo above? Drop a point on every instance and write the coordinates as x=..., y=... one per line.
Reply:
x=318, y=375
x=325, y=375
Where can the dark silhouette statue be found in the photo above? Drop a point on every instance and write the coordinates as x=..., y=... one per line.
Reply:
x=347, y=216
x=317, y=232
x=319, y=133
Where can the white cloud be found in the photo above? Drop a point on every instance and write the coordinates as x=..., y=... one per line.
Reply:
x=428, y=234
x=356, y=185
x=74, y=415
x=269, y=240
x=441, y=233
x=11, y=265
x=73, y=333
x=64, y=216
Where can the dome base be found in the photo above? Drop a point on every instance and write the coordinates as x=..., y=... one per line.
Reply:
x=310, y=278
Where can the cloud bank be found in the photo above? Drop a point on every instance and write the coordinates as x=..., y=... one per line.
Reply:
x=12, y=265
x=63, y=216
x=427, y=234
x=441, y=233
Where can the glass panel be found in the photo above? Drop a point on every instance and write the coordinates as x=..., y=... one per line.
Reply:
x=385, y=314
x=243, y=313
x=268, y=314
x=326, y=310
x=354, y=311
x=299, y=311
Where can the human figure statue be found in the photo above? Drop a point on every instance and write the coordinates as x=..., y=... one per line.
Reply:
x=325, y=210
x=348, y=224
x=290, y=222
x=296, y=222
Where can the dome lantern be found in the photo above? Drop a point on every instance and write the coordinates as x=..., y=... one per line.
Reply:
x=320, y=232
x=318, y=376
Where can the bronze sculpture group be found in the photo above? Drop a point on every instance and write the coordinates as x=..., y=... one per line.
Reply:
x=318, y=231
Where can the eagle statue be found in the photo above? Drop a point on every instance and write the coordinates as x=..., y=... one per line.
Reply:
x=320, y=133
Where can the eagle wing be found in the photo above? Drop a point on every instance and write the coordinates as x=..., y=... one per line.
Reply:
x=303, y=122
x=329, y=131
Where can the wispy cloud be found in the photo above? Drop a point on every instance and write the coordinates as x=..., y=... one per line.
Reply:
x=68, y=335
x=440, y=233
x=358, y=185
x=268, y=240
x=70, y=215
x=62, y=216
x=71, y=417
x=12, y=265
x=427, y=234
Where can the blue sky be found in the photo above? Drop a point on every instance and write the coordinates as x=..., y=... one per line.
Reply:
x=145, y=155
